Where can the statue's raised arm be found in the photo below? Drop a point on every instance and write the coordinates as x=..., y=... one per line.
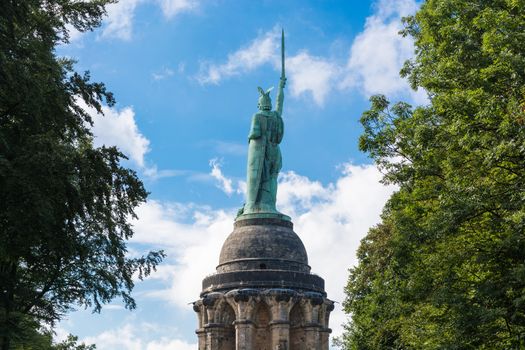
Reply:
x=280, y=97
x=282, y=81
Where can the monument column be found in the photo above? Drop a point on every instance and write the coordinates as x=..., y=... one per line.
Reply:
x=244, y=327
x=263, y=295
x=199, y=308
x=327, y=307
x=244, y=330
x=281, y=303
x=280, y=334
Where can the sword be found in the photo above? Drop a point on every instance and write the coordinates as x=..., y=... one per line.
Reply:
x=283, y=77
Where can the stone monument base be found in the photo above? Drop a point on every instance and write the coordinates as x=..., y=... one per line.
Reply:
x=263, y=215
x=263, y=296
x=263, y=319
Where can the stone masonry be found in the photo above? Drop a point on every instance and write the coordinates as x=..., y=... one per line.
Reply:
x=263, y=296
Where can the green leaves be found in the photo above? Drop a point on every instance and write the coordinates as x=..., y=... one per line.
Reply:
x=64, y=205
x=455, y=238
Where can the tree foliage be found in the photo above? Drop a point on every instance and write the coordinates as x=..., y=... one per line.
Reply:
x=35, y=337
x=446, y=267
x=64, y=204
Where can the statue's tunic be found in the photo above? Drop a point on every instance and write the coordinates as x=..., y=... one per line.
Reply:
x=264, y=161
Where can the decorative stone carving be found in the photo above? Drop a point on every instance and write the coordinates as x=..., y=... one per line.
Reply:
x=263, y=319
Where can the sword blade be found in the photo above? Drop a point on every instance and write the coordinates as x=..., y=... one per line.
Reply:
x=282, y=54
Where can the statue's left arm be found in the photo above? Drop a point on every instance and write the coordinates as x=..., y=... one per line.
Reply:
x=255, y=129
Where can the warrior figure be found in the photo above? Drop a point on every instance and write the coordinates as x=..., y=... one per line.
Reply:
x=264, y=155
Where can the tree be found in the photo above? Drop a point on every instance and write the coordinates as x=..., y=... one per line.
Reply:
x=38, y=338
x=64, y=205
x=455, y=277
x=71, y=344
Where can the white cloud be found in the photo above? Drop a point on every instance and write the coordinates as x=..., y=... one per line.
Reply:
x=184, y=231
x=378, y=53
x=122, y=338
x=153, y=173
x=376, y=56
x=119, y=20
x=296, y=193
x=386, y=9
x=306, y=73
x=330, y=219
x=165, y=224
x=311, y=74
x=74, y=34
x=262, y=50
x=171, y=8
x=118, y=128
x=167, y=72
x=167, y=344
x=163, y=74
x=132, y=337
x=61, y=333
x=224, y=183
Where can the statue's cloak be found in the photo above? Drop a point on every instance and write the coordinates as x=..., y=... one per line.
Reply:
x=264, y=158
x=256, y=152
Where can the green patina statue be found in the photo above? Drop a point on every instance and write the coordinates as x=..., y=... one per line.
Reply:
x=264, y=155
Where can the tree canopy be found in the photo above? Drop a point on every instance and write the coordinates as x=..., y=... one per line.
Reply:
x=37, y=338
x=445, y=269
x=64, y=204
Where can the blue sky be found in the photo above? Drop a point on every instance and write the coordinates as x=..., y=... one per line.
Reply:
x=185, y=76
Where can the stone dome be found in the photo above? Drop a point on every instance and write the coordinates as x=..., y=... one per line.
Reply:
x=259, y=244
x=263, y=253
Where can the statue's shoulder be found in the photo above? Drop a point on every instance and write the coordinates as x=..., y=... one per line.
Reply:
x=255, y=118
x=259, y=115
x=274, y=114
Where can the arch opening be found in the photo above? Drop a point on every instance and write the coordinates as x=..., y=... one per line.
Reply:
x=226, y=317
x=297, y=332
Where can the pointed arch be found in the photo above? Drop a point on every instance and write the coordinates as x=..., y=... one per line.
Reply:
x=225, y=318
x=297, y=323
